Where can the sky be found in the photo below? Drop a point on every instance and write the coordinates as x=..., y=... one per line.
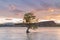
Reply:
x=43, y=9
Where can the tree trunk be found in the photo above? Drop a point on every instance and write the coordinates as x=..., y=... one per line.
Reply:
x=27, y=31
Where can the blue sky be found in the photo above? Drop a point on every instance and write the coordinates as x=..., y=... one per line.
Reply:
x=30, y=3
x=12, y=7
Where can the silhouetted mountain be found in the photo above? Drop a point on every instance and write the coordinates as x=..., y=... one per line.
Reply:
x=47, y=23
x=39, y=24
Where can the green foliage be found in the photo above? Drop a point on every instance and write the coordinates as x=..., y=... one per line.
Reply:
x=34, y=27
x=28, y=17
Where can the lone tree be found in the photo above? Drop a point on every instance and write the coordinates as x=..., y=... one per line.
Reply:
x=28, y=17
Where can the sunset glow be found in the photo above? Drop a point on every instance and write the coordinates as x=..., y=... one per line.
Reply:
x=51, y=10
x=10, y=20
x=42, y=9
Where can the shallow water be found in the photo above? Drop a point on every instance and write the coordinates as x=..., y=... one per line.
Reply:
x=18, y=33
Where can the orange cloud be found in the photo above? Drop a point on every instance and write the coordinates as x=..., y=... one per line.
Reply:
x=51, y=17
x=51, y=10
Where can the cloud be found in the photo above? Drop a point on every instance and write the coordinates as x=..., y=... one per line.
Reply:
x=12, y=7
x=50, y=17
x=17, y=11
x=19, y=6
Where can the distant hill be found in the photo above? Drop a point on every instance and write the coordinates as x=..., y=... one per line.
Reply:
x=39, y=24
x=47, y=23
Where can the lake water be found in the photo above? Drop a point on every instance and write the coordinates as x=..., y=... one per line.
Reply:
x=18, y=33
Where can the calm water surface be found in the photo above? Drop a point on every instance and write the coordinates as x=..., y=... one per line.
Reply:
x=18, y=33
